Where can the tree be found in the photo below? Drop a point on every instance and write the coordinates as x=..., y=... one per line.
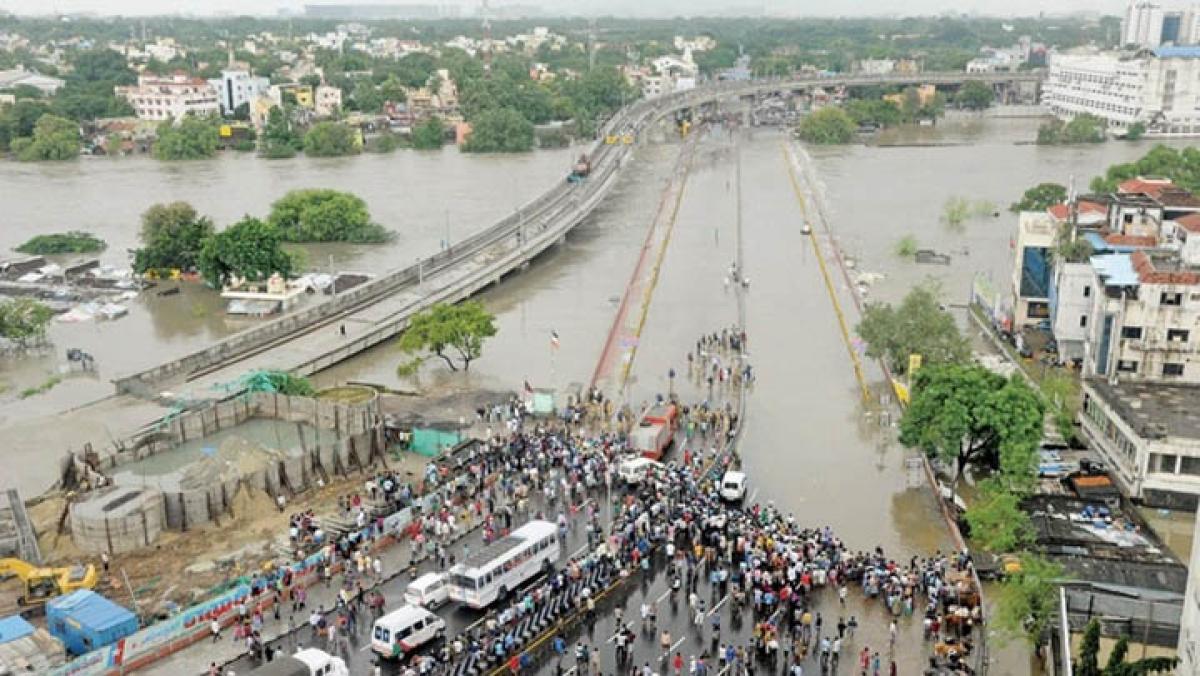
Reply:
x=1028, y=598
x=173, y=236
x=322, y=215
x=1136, y=131
x=874, y=111
x=1083, y=128
x=189, y=138
x=450, y=332
x=1069, y=247
x=366, y=97
x=967, y=415
x=918, y=326
x=331, y=139
x=502, y=130
x=429, y=134
x=827, y=126
x=23, y=320
x=278, y=140
x=955, y=211
x=249, y=249
x=974, y=95
x=74, y=241
x=1088, y=663
x=54, y=138
x=1040, y=197
x=312, y=80
x=1182, y=167
x=998, y=524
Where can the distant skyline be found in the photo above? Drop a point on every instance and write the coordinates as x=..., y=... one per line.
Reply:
x=662, y=8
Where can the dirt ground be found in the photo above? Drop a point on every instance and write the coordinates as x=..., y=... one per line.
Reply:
x=183, y=567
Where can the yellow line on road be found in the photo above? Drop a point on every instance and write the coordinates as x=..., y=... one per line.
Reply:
x=837, y=305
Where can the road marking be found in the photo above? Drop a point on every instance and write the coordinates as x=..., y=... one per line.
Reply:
x=719, y=604
x=661, y=597
x=753, y=495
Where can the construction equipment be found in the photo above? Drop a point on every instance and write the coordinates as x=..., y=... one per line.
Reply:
x=42, y=584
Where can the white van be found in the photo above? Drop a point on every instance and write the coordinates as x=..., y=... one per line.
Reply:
x=404, y=630
x=428, y=591
x=306, y=662
x=733, y=486
x=633, y=470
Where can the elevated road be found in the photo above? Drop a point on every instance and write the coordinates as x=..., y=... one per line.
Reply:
x=311, y=340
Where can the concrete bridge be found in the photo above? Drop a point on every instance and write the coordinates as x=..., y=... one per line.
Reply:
x=308, y=341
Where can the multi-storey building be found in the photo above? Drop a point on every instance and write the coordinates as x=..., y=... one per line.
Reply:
x=236, y=87
x=1160, y=89
x=169, y=98
x=1143, y=24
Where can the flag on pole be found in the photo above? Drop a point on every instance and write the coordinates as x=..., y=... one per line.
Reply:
x=554, y=339
x=528, y=387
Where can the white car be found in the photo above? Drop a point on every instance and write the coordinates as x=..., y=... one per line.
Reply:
x=733, y=486
x=404, y=630
x=429, y=591
x=305, y=662
x=634, y=470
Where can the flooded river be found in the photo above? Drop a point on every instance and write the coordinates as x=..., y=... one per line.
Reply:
x=424, y=197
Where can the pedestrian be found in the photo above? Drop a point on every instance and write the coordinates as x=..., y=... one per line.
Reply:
x=213, y=669
x=215, y=628
x=677, y=664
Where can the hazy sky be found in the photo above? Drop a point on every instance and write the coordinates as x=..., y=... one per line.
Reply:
x=639, y=7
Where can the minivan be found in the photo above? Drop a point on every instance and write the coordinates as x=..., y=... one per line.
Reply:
x=428, y=591
x=733, y=486
x=404, y=630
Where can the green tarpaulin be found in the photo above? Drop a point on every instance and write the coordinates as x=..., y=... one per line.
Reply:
x=429, y=442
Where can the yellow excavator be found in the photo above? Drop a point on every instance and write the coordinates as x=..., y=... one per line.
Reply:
x=42, y=584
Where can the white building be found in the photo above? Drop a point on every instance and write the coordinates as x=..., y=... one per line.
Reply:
x=327, y=100
x=1160, y=90
x=1189, y=624
x=19, y=76
x=876, y=66
x=1143, y=24
x=237, y=87
x=700, y=43
x=1033, y=270
x=1071, y=307
x=169, y=98
x=674, y=66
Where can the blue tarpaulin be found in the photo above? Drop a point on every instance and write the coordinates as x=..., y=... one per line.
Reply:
x=13, y=628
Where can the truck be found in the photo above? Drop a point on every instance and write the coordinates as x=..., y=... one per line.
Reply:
x=305, y=662
x=663, y=414
x=651, y=441
x=581, y=169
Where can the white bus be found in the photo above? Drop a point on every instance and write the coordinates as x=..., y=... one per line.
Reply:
x=504, y=565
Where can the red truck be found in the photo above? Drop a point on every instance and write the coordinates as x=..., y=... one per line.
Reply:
x=655, y=431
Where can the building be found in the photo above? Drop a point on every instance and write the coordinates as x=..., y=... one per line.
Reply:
x=1032, y=271
x=237, y=87
x=327, y=100
x=19, y=76
x=877, y=66
x=1160, y=89
x=375, y=12
x=1189, y=625
x=169, y=98
x=1143, y=24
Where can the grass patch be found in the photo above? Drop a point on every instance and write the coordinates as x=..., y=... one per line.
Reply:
x=41, y=389
x=907, y=246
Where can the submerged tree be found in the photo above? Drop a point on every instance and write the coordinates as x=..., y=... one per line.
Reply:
x=917, y=326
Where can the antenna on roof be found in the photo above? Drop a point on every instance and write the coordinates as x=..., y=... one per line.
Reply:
x=487, y=37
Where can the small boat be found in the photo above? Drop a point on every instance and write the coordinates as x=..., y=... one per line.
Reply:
x=169, y=292
x=806, y=229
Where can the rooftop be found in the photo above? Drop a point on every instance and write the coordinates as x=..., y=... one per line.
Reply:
x=1155, y=267
x=1189, y=222
x=1145, y=186
x=1154, y=410
x=1177, y=52
x=1178, y=198
x=1115, y=269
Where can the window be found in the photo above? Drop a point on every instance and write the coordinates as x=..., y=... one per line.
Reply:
x=1131, y=332
x=1126, y=366
x=1172, y=369
x=1087, y=292
x=1170, y=298
x=1082, y=321
x=1177, y=335
x=1163, y=463
x=1189, y=466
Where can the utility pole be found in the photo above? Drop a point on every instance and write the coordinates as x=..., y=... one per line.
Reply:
x=487, y=38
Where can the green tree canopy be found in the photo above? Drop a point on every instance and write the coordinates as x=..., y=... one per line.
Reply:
x=74, y=241
x=453, y=332
x=189, y=138
x=429, y=134
x=331, y=139
x=249, y=249
x=278, y=139
x=974, y=95
x=322, y=215
x=23, y=320
x=918, y=326
x=874, y=111
x=54, y=138
x=173, y=236
x=827, y=126
x=502, y=130
x=998, y=524
x=1028, y=598
x=1083, y=128
x=967, y=415
x=1040, y=197
x=1182, y=167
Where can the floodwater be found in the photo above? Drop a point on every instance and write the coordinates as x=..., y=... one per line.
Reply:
x=424, y=197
